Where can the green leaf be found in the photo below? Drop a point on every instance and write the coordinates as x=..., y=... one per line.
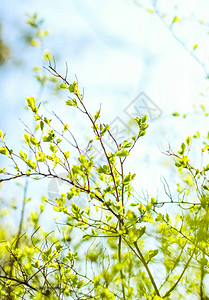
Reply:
x=188, y=141
x=82, y=159
x=119, y=206
x=141, y=133
x=105, y=169
x=59, y=141
x=35, y=42
x=183, y=147
x=152, y=253
x=175, y=114
x=70, y=195
x=28, y=172
x=42, y=125
x=196, y=135
x=34, y=21
x=53, y=148
x=133, y=204
x=36, y=263
x=67, y=154
x=23, y=155
x=133, y=138
x=73, y=88
x=122, y=153
x=3, y=171
x=56, y=161
x=42, y=33
x=144, y=118
x=127, y=144
x=203, y=261
x=204, y=200
x=128, y=178
x=63, y=86
x=140, y=231
x=206, y=148
x=50, y=136
x=47, y=55
x=31, y=164
x=37, y=117
x=160, y=217
x=109, y=218
x=27, y=138
x=206, y=187
x=34, y=141
x=176, y=19
x=41, y=157
x=206, y=168
x=138, y=121
x=97, y=115
x=72, y=103
x=65, y=127
x=75, y=208
x=106, y=128
x=203, y=107
x=3, y=151
x=47, y=121
x=31, y=103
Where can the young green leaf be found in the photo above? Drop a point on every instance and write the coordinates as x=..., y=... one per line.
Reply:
x=3, y=151
x=188, y=141
x=23, y=155
x=31, y=103
x=144, y=118
x=175, y=19
x=121, y=153
x=63, y=86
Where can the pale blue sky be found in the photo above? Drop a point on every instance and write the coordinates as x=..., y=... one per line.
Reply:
x=117, y=50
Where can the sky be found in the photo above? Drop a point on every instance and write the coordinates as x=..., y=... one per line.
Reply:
x=124, y=57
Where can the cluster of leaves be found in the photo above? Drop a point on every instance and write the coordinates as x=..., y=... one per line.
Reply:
x=37, y=35
x=124, y=249
x=121, y=242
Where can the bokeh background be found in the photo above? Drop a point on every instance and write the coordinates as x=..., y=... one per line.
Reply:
x=117, y=49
